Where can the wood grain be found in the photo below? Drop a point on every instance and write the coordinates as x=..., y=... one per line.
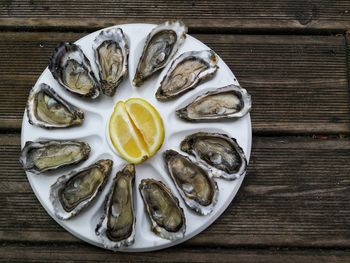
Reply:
x=294, y=204
x=295, y=15
x=299, y=84
x=296, y=194
x=73, y=253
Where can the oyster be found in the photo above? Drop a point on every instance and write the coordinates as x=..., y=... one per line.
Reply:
x=71, y=68
x=117, y=225
x=221, y=153
x=46, y=109
x=166, y=216
x=197, y=188
x=111, y=50
x=227, y=102
x=186, y=72
x=76, y=191
x=161, y=45
x=41, y=156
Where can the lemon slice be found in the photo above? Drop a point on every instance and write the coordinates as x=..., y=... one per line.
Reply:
x=148, y=121
x=126, y=138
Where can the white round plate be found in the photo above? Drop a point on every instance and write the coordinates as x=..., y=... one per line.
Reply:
x=94, y=132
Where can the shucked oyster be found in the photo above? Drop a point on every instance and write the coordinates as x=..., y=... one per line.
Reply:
x=45, y=108
x=117, y=225
x=111, y=50
x=75, y=191
x=186, y=72
x=227, y=102
x=221, y=153
x=197, y=188
x=160, y=46
x=71, y=68
x=41, y=156
x=166, y=216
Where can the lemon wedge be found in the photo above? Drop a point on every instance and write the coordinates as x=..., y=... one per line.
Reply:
x=125, y=137
x=136, y=130
x=148, y=121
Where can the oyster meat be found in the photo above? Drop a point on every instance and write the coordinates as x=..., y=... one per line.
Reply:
x=219, y=152
x=228, y=102
x=186, y=72
x=117, y=225
x=111, y=50
x=46, y=109
x=197, y=188
x=41, y=156
x=77, y=190
x=72, y=69
x=166, y=216
x=161, y=45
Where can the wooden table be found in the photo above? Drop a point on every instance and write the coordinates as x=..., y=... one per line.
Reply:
x=292, y=56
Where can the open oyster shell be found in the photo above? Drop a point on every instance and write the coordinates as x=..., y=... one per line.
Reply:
x=41, y=156
x=186, y=72
x=117, y=225
x=228, y=102
x=222, y=154
x=111, y=50
x=72, y=69
x=165, y=214
x=46, y=109
x=77, y=190
x=161, y=45
x=193, y=181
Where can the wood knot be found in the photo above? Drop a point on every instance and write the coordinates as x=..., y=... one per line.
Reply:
x=306, y=12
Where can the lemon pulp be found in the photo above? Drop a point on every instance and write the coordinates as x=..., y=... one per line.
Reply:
x=136, y=130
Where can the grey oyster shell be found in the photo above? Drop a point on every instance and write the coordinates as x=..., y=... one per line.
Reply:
x=161, y=45
x=46, y=109
x=40, y=156
x=70, y=194
x=222, y=154
x=111, y=51
x=72, y=69
x=193, y=181
x=186, y=72
x=165, y=214
x=229, y=102
x=117, y=225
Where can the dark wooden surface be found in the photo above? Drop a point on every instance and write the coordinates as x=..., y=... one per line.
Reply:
x=255, y=15
x=292, y=56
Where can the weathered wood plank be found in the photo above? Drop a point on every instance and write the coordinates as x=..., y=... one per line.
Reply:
x=347, y=41
x=298, y=83
x=63, y=253
x=296, y=194
x=203, y=15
